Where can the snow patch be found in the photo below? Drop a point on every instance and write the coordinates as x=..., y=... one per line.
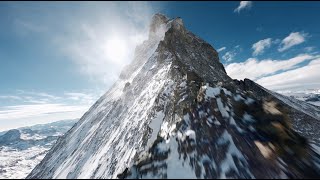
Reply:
x=247, y=118
x=222, y=109
x=238, y=97
x=228, y=163
x=249, y=101
x=191, y=134
x=212, y=92
x=155, y=125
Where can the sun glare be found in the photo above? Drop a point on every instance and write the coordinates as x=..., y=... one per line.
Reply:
x=116, y=49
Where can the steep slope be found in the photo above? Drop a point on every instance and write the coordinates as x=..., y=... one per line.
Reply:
x=175, y=113
x=305, y=117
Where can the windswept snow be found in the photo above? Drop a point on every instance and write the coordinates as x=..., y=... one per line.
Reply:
x=228, y=163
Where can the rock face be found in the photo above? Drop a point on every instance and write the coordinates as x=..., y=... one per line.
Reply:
x=182, y=116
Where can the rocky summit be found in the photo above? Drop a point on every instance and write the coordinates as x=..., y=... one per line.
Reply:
x=175, y=113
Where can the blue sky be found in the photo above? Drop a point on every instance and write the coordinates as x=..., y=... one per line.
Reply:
x=60, y=56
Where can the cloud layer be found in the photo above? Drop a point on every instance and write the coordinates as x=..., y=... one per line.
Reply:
x=35, y=110
x=38, y=107
x=255, y=69
x=297, y=79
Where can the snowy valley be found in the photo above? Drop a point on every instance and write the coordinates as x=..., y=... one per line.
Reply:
x=23, y=148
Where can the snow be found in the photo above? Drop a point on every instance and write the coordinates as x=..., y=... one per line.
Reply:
x=228, y=163
x=211, y=92
x=238, y=97
x=163, y=147
x=19, y=157
x=216, y=122
x=206, y=159
x=29, y=137
x=233, y=122
x=222, y=109
x=202, y=114
x=155, y=125
x=209, y=119
x=176, y=169
x=251, y=128
x=191, y=134
x=208, y=123
x=317, y=103
x=249, y=101
x=247, y=118
x=17, y=164
x=183, y=84
x=182, y=99
x=316, y=148
x=227, y=92
x=164, y=130
x=104, y=149
x=186, y=118
x=188, y=133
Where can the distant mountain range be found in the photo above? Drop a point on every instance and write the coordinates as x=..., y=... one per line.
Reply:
x=311, y=96
x=23, y=148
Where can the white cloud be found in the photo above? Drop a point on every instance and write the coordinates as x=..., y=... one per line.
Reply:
x=229, y=56
x=255, y=69
x=243, y=5
x=221, y=49
x=261, y=45
x=293, y=39
x=300, y=79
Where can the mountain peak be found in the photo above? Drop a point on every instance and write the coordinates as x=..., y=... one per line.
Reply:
x=158, y=22
x=175, y=113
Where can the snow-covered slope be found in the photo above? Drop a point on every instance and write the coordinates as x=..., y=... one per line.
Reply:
x=22, y=149
x=175, y=113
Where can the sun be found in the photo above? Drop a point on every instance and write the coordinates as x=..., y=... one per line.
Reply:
x=116, y=49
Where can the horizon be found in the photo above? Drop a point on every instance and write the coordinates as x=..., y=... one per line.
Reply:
x=55, y=63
